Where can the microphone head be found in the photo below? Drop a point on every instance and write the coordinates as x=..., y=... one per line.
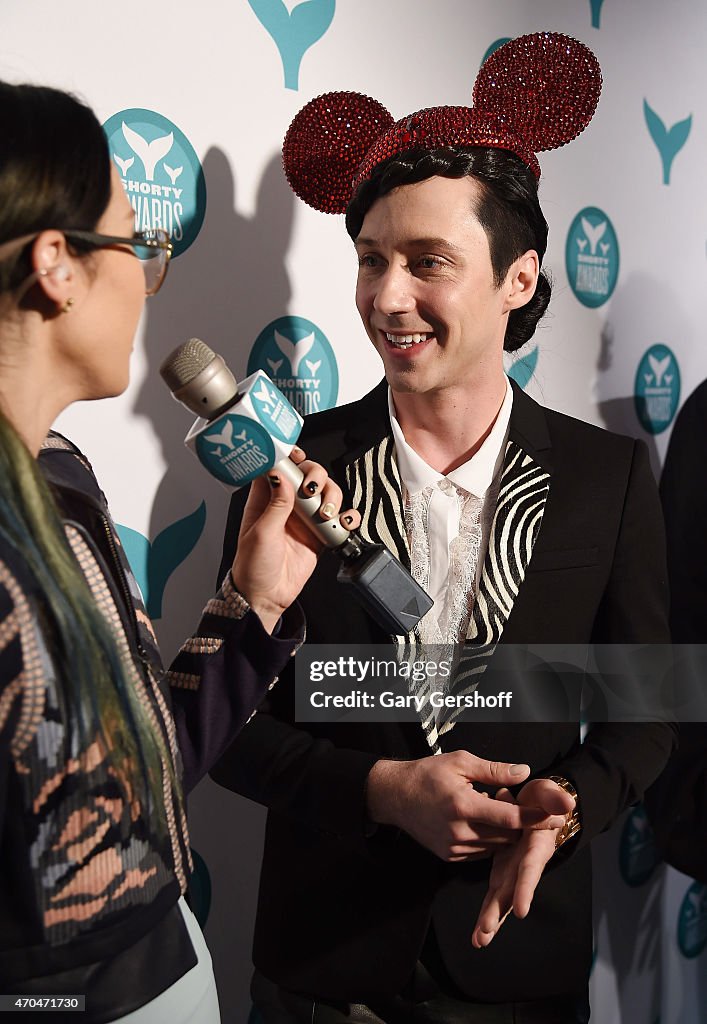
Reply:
x=199, y=379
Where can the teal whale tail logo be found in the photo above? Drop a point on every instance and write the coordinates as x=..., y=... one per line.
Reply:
x=153, y=564
x=668, y=142
x=294, y=27
x=495, y=45
x=523, y=369
x=596, y=6
x=150, y=153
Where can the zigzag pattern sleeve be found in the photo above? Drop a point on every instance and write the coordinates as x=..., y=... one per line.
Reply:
x=222, y=673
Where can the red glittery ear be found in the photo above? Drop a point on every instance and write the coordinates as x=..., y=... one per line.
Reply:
x=326, y=143
x=544, y=86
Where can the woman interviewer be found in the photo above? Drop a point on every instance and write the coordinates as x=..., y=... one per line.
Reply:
x=97, y=743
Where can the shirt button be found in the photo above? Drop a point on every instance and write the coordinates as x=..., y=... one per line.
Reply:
x=445, y=485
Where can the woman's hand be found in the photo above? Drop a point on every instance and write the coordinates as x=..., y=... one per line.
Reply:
x=277, y=552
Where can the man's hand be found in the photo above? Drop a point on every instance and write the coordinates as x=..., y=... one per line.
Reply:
x=434, y=800
x=276, y=552
x=517, y=869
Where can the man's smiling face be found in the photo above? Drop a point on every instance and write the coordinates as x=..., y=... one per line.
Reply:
x=425, y=288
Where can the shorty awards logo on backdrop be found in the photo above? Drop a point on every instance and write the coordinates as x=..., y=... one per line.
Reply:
x=596, y=6
x=657, y=389
x=592, y=257
x=154, y=562
x=692, y=921
x=160, y=172
x=294, y=26
x=521, y=368
x=495, y=45
x=668, y=141
x=637, y=853
x=299, y=360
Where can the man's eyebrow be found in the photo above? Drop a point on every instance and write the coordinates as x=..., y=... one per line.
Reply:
x=414, y=243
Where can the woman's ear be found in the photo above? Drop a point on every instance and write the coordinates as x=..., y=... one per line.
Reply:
x=54, y=267
x=522, y=280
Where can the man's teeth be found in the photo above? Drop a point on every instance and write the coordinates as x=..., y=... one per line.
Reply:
x=406, y=340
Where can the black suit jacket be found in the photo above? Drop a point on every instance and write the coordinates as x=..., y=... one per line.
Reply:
x=343, y=913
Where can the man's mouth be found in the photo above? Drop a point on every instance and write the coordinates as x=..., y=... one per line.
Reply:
x=407, y=340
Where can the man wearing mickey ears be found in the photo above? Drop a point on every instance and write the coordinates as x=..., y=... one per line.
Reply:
x=388, y=878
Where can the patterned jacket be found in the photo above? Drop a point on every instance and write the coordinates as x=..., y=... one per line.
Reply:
x=84, y=877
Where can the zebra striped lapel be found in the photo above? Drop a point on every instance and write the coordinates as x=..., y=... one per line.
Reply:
x=516, y=522
x=519, y=510
x=377, y=492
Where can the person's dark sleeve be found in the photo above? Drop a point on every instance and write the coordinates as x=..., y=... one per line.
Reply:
x=683, y=492
x=304, y=778
x=677, y=802
x=618, y=761
x=221, y=675
x=286, y=768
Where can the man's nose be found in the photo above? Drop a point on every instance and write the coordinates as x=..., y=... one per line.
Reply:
x=394, y=293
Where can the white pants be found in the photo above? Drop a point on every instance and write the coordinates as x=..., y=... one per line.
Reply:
x=192, y=999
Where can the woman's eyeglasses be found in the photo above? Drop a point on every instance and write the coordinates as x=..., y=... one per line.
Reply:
x=153, y=248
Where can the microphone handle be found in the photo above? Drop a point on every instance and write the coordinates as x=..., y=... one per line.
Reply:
x=330, y=531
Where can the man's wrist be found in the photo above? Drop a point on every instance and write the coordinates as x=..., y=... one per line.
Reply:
x=383, y=792
x=573, y=823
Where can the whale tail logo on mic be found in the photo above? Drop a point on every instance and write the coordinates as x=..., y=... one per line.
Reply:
x=225, y=437
x=238, y=452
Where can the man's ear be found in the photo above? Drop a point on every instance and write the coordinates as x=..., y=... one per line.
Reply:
x=521, y=280
x=53, y=266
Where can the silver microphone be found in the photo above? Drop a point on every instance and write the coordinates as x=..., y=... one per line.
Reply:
x=199, y=379
x=248, y=429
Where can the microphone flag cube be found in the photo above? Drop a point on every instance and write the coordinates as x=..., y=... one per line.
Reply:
x=250, y=436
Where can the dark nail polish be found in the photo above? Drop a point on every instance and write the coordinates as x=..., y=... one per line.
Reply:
x=347, y=520
x=274, y=481
x=312, y=487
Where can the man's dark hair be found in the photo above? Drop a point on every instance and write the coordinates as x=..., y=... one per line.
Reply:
x=508, y=211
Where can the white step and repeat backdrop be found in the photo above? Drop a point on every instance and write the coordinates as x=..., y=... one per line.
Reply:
x=195, y=99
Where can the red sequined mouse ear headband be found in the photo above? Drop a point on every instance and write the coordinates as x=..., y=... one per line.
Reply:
x=536, y=92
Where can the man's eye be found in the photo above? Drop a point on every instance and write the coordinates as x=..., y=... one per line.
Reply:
x=428, y=262
x=368, y=261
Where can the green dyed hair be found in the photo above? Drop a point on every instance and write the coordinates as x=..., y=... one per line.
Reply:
x=55, y=173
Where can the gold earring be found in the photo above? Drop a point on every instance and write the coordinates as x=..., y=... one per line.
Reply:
x=66, y=308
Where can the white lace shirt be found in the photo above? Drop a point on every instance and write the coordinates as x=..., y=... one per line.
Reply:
x=448, y=520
